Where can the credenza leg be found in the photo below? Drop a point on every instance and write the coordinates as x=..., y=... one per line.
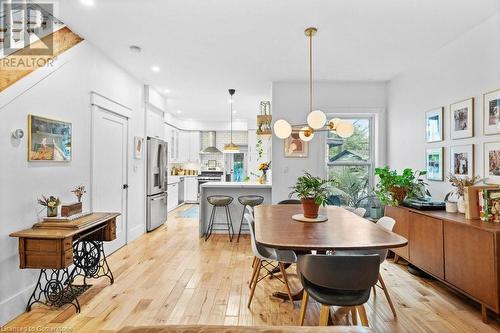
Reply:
x=484, y=314
x=396, y=258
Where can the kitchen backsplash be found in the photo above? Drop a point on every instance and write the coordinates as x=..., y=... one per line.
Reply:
x=223, y=137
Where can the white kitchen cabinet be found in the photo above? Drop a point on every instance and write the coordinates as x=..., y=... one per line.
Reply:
x=194, y=147
x=183, y=144
x=173, y=196
x=191, y=189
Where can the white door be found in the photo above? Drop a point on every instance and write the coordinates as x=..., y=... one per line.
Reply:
x=109, y=170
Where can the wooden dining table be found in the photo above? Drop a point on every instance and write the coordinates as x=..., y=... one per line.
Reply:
x=344, y=230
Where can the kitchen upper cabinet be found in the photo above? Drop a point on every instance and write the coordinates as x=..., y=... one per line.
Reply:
x=191, y=189
x=184, y=145
x=194, y=147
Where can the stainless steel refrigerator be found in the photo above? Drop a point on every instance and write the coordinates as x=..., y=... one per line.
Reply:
x=156, y=183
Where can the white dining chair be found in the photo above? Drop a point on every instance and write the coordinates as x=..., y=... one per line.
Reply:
x=349, y=208
x=387, y=223
x=360, y=211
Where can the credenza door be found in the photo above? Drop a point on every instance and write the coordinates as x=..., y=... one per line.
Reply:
x=402, y=228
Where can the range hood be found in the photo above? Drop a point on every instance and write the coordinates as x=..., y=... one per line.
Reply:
x=211, y=149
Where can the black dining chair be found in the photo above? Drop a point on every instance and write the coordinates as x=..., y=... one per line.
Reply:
x=289, y=202
x=337, y=281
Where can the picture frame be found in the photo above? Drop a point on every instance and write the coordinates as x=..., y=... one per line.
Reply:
x=138, y=147
x=294, y=147
x=462, y=119
x=462, y=161
x=491, y=162
x=49, y=139
x=491, y=112
x=434, y=125
x=434, y=163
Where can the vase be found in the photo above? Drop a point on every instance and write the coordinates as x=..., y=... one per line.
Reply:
x=461, y=205
x=51, y=211
x=310, y=208
x=376, y=212
x=263, y=178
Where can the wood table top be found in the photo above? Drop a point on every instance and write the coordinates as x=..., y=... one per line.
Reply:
x=274, y=227
x=66, y=229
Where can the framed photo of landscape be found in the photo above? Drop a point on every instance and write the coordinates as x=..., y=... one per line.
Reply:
x=491, y=153
x=434, y=125
x=491, y=112
x=434, y=163
x=462, y=119
x=49, y=139
x=462, y=160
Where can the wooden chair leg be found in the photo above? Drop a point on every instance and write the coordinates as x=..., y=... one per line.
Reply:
x=324, y=315
x=396, y=258
x=256, y=279
x=354, y=316
x=255, y=267
x=484, y=314
x=386, y=292
x=303, y=307
x=253, y=262
x=362, y=315
x=287, y=286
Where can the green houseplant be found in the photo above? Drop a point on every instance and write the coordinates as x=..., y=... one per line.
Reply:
x=393, y=188
x=312, y=192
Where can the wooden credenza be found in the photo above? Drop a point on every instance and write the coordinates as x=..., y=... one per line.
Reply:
x=464, y=254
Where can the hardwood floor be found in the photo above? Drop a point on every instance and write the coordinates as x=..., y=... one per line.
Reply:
x=170, y=276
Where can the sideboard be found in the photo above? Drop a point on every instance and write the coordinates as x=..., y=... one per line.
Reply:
x=464, y=254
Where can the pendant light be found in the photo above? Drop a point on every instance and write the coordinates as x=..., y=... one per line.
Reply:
x=316, y=119
x=231, y=147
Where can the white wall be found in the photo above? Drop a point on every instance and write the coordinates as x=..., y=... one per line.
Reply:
x=63, y=93
x=467, y=67
x=290, y=102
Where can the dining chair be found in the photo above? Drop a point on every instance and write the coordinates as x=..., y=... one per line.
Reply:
x=264, y=258
x=360, y=211
x=349, y=208
x=387, y=223
x=337, y=281
x=289, y=202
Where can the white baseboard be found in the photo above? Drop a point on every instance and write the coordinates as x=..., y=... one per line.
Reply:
x=15, y=305
x=135, y=232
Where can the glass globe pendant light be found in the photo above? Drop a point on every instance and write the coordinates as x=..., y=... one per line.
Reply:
x=282, y=129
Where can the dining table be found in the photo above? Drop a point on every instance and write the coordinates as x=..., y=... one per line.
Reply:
x=342, y=230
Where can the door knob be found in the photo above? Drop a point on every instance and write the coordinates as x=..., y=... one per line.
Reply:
x=125, y=186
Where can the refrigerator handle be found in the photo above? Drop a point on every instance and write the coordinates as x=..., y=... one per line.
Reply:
x=161, y=167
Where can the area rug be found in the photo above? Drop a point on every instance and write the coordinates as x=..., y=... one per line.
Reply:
x=190, y=213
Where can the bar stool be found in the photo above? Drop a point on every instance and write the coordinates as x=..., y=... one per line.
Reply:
x=251, y=201
x=220, y=201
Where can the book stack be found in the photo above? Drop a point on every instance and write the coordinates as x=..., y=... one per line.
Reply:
x=489, y=205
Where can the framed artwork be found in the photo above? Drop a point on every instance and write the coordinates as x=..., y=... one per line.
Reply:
x=138, y=147
x=491, y=112
x=434, y=125
x=49, y=139
x=434, y=163
x=462, y=160
x=491, y=153
x=462, y=119
x=295, y=147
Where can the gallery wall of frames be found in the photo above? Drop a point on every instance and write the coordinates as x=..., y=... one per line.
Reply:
x=461, y=126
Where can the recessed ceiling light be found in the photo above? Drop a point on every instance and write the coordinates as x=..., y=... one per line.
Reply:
x=179, y=111
x=87, y=2
x=155, y=68
x=135, y=49
x=234, y=111
x=166, y=91
x=230, y=101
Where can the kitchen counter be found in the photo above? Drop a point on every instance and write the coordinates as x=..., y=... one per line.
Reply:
x=232, y=189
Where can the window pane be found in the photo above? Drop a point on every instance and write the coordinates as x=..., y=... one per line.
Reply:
x=353, y=148
x=352, y=182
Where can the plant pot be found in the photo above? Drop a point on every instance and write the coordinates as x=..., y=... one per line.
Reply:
x=376, y=212
x=398, y=193
x=461, y=205
x=51, y=211
x=310, y=208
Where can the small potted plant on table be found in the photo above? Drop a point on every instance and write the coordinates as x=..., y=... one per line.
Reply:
x=312, y=192
x=51, y=203
x=460, y=183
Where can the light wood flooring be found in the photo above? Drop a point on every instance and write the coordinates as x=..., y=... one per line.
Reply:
x=170, y=276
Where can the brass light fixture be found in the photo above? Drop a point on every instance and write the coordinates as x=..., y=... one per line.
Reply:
x=316, y=119
x=231, y=147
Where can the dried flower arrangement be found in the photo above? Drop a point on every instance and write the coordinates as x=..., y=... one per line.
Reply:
x=460, y=183
x=51, y=203
x=79, y=191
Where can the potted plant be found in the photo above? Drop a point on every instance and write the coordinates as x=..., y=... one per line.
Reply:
x=264, y=167
x=51, y=203
x=312, y=192
x=393, y=188
x=460, y=183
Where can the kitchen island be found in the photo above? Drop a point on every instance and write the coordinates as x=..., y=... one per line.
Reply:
x=233, y=189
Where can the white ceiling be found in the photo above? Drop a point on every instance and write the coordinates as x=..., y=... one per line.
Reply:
x=204, y=47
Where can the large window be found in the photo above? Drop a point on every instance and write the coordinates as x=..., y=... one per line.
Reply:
x=350, y=161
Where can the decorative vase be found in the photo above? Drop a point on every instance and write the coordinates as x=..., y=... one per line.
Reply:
x=398, y=193
x=79, y=197
x=263, y=178
x=51, y=211
x=451, y=207
x=376, y=212
x=461, y=205
x=310, y=208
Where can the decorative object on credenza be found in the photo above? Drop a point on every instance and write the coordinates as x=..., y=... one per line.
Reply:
x=462, y=161
x=393, y=188
x=264, y=167
x=138, y=147
x=312, y=192
x=491, y=162
x=462, y=119
x=264, y=119
x=451, y=207
x=79, y=191
x=51, y=203
x=295, y=147
x=68, y=210
x=49, y=139
x=434, y=163
x=434, y=125
x=460, y=184
x=491, y=112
